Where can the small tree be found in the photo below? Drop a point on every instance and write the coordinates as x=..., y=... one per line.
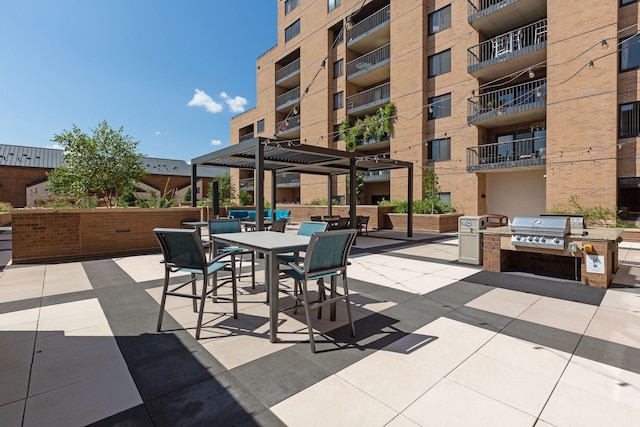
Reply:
x=431, y=188
x=360, y=190
x=104, y=164
x=187, y=195
x=225, y=189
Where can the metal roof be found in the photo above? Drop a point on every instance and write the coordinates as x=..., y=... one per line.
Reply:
x=30, y=157
x=294, y=157
x=50, y=158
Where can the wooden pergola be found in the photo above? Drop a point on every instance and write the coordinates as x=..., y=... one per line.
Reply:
x=264, y=155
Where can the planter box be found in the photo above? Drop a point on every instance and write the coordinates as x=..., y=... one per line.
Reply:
x=437, y=223
x=44, y=235
x=5, y=218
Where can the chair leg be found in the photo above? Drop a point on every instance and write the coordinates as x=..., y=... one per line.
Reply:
x=203, y=297
x=163, y=300
x=307, y=314
x=194, y=291
x=321, y=296
x=234, y=289
x=348, y=301
x=253, y=270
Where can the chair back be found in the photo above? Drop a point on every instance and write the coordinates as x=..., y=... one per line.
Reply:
x=343, y=223
x=328, y=251
x=181, y=248
x=219, y=226
x=307, y=228
x=279, y=225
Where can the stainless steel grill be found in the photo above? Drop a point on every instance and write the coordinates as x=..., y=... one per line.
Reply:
x=540, y=232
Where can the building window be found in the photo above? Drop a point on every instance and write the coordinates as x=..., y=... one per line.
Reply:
x=625, y=2
x=439, y=149
x=338, y=68
x=440, y=63
x=289, y=5
x=445, y=197
x=440, y=20
x=440, y=106
x=630, y=120
x=292, y=30
x=333, y=4
x=338, y=100
x=337, y=135
x=630, y=53
x=260, y=125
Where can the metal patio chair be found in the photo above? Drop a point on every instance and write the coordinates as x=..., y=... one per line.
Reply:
x=326, y=258
x=220, y=226
x=183, y=253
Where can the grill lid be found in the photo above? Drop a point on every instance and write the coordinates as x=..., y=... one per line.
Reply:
x=556, y=226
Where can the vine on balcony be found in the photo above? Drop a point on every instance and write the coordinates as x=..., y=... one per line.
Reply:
x=376, y=127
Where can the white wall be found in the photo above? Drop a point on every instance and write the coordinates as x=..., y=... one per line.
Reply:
x=516, y=193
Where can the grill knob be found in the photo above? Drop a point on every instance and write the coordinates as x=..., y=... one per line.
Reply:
x=542, y=239
x=518, y=237
x=536, y=238
x=556, y=240
x=530, y=238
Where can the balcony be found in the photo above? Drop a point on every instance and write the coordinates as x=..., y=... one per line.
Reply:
x=492, y=17
x=370, y=68
x=289, y=128
x=371, y=32
x=289, y=76
x=530, y=152
x=377, y=176
x=246, y=137
x=288, y=99
x=508, y=52
x=512, y=105
x=369, y=100
x=284, y=179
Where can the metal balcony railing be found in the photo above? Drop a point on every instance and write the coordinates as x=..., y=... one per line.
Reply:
x=288, y=179
x=246, y=137
x=288, y=125
x=288, y=98
x=378, y=19
x=520, y=41
x=506, y=155
x=377, y=176
x=514, y=99
x=246, y=183
x=287, y=70
x=476, y=6
x=369, y=61
x=369, y=98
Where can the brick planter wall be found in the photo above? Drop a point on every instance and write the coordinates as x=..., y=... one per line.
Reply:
x=438, y=223
x=43, y=235
x=5, y=218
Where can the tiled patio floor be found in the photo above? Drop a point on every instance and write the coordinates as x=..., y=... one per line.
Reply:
x=438, y=343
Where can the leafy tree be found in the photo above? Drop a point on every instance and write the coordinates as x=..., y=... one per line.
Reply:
x=359, y=184
x=104, y=164
x=187, y=195
x=431, y=188
x=225, y=188
x=245, y=198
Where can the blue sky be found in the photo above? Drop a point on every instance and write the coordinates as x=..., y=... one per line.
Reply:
x=171, y=72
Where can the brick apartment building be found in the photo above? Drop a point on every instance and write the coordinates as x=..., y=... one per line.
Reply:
x=23, y=174
x=516, y=104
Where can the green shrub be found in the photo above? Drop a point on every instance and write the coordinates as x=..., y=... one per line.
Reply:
x=596, y=216
x=5, y=206
x=245, y=198
x=425, y=206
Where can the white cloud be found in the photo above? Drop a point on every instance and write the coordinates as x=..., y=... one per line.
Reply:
x=158, y=132
x=56, y=146
x=216, y=142
x=201, y=99
x=236, y=104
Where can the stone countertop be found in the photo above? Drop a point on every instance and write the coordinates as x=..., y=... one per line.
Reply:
x=592, y=233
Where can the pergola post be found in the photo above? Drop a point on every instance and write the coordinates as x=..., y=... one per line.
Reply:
x=194, y=177
x=410, y=201
x=258, y=185
x=329, y=192
x=353, y=192
x=273, y=194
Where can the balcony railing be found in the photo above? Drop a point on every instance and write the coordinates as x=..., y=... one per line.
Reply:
x=288, y=98
x=514, y=99
x=506, y=155
x=377, y=176
x=288, y=125
x=369, y=61
x=246, y=137
x=284, y=179
x=509, y=45
x=369, y=98
x=478, y=6
x=378, y=19
x=287, y=70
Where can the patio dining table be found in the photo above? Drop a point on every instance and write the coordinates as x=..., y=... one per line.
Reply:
x=269, y=243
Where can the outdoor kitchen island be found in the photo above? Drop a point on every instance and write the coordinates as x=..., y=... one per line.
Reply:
x=589, y=255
